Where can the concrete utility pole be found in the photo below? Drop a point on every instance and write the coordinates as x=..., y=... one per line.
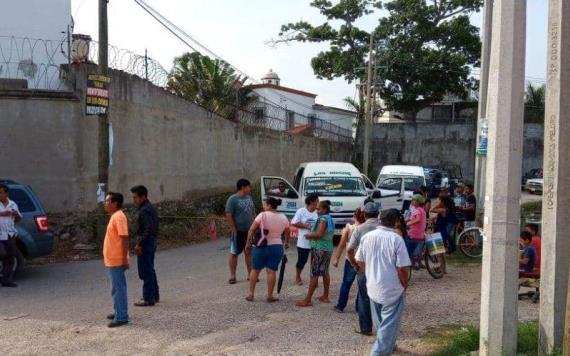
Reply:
x=480, y=160
x=103, y=139
x=499, y=281
x=556, y=196
x=368, y=113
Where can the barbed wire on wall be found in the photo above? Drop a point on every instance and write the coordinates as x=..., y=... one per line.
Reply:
x=36, y=61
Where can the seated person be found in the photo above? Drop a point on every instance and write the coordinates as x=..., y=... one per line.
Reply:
x=536, y=241
x=527, y=260
x=280, y=191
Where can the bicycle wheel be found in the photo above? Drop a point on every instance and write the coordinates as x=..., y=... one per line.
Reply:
x=470, y=242
x=435, y=265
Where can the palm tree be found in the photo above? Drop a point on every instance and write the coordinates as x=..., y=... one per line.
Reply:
x=210, y=83
x=534, y=103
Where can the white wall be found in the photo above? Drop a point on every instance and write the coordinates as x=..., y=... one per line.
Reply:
x=44, y=25
x=299, y=104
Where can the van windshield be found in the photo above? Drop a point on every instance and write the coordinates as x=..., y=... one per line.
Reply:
x=335, y=186
x=411, y=183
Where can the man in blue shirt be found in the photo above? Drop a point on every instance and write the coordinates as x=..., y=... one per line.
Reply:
x=528, y=258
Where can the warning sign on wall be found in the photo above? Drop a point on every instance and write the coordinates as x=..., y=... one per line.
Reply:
x=97, y=94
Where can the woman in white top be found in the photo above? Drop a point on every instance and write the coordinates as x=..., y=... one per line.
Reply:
x=304, y=220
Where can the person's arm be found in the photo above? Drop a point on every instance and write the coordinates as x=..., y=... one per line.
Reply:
x=403, y=276
x=342, y=245
x=123, y=231
x=250, y=234
x=321, y=230
x=414, y=220
x=15, y=213
x=145, y=220
x=351, y=251
x=296, y=222
x=359, y=258
x=287, y=234
x=403, y=262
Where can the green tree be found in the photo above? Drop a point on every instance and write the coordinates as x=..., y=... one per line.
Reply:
x=347, y=54
x=210, y=83
x=534, y=103
x=424, y=48
x=428, y=48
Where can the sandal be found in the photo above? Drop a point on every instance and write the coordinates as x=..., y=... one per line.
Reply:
x=272, y=300
x=324, y=300
x=232, y=281
x=249, y=298
x=303, y=303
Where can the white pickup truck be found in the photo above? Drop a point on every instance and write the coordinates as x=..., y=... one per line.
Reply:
x=341, y=183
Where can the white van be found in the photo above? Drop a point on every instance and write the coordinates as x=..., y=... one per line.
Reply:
x=341, y=183
x=391, y=178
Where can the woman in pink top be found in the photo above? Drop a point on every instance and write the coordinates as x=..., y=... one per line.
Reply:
x=416, y=228
x=273, y=226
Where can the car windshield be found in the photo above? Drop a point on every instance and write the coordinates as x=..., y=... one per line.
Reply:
x=335, y=186
x=411, y=183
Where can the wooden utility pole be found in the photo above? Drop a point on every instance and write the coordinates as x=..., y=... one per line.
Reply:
x=103, y=138
x=368, y=112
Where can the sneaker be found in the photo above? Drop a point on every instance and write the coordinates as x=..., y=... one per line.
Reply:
x=116, y=324
x=144, y=303
x=338, y=310
x=358, y=331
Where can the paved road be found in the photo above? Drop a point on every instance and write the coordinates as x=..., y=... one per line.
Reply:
x=61, y=308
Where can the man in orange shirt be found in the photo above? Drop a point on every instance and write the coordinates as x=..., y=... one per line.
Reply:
x=116, y=258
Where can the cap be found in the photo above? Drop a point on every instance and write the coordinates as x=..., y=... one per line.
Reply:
x=371, y=208
x=419, y=198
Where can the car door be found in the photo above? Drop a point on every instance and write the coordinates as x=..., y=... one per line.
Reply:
x=291, y=199
x=369, y=185
x=392, y=190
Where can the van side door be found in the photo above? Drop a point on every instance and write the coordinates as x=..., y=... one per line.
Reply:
x=280, y=188
x=392, y=192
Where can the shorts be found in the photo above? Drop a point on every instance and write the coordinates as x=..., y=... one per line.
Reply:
x=303, y=257
x=267, y=257
x=237, y=242
x=320, y=262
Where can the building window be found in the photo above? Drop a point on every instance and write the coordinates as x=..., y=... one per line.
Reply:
x=259, y=114
x=312, y=120
x=290, y=120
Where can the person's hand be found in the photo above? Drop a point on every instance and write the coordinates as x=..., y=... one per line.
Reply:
x=138, y=250
x=335, y=262
x=286, y=245
x=5, y=213
x=14, y=214
x=248, y=245
x=308, y=226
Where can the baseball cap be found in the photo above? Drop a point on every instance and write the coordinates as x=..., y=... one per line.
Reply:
x=419, y=198
x=371, y=208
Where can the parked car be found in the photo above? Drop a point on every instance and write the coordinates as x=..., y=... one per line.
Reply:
x=532, y=174
x=34, y=237
x=534, y=186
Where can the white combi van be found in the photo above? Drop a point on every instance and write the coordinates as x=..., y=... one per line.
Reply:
x=339, y=182
x=391, y=178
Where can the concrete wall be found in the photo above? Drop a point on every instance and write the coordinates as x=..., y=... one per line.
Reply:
x=441, y=144
x=175, y=148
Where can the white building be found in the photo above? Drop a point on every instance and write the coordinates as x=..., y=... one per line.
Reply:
x=34, y=41
x=293, y=109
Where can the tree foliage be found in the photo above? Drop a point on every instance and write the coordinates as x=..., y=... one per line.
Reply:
x=210, y=83
x=534, y=103
x=424, y=48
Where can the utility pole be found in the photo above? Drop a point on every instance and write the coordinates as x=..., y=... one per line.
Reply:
x=368, y=113
x=481, y=159
x=103, y=137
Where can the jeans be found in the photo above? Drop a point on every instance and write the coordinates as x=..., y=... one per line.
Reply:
x=363, y=305
x=302, y=257
x=452, y=245
x=347, y=279
x=119, y=293
x=145, y=264
x=387, y=319
x=414, y=248
x=8, y=251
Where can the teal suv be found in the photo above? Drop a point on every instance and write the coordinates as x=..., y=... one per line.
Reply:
x=34, y=237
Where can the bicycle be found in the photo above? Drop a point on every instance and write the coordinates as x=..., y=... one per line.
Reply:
x=468, y=240
x=435, y=264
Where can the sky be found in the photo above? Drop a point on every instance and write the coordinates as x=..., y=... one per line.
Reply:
x=238, y=31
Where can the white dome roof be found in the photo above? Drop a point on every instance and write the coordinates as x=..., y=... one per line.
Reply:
x=270, y=75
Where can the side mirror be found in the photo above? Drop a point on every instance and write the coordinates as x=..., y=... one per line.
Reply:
x=377, y=194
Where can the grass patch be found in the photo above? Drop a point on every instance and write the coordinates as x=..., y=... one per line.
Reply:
x=463, y=340
x=530, y=209
x=461, y=260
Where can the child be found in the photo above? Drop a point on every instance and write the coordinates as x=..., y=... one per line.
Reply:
x=528, y=258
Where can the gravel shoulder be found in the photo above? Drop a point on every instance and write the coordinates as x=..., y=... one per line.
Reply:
x=60, y=309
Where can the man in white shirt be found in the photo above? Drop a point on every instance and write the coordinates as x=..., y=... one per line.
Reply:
x=304, y=220
x=382, y=254
x=9, y=214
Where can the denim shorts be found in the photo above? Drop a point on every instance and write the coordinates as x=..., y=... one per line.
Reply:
x=267, y=257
